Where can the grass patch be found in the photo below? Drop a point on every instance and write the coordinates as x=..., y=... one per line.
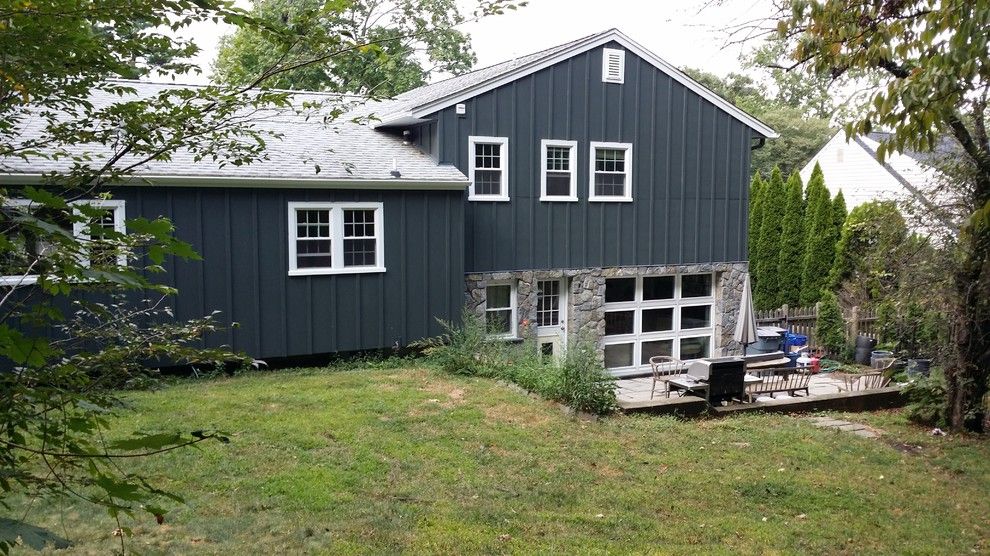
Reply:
x=415, y=460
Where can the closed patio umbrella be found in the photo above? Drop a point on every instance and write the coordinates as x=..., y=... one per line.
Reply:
x=746, y=321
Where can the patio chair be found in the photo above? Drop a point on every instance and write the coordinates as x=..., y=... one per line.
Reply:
x=858, y=382
x=664, y=367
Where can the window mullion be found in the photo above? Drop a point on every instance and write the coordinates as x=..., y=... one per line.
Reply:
x=336, y=237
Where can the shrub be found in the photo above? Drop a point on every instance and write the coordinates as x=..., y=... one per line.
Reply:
x=585, y=385
x=830, y=330
x=577, y=380
x=464, y=349
x=927, y=399
x=766, y=286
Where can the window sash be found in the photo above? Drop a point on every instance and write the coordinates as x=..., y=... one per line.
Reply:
x=604, y=171
x=488, y=165
x=339, y=244
x=502, y=311
x=552, y=169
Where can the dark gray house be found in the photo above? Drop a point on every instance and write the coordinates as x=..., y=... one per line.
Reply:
x=589, y=190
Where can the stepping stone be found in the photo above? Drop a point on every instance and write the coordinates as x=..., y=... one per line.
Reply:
x=851, y=427
x=866, y=433
x=826, y=423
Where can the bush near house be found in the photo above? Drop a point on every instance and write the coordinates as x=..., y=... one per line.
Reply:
x=578, y=379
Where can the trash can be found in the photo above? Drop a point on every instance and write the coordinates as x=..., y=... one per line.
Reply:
x=879, y=354
x=864, y=347
x=917, y=367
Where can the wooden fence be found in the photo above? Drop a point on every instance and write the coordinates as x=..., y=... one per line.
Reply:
x=802, y=320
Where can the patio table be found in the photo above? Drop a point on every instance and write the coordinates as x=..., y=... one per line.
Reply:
x=686, y=383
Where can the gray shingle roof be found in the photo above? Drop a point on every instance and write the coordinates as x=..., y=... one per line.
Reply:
x=344, y=150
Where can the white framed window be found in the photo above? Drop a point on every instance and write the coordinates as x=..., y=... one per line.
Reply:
x=657, y=315
x=500, y=309
x=335, y=238
x=32, y=249
x=610, y=172
x=109, y=215
x=488, y=168
x=613, y=65
x=558, y=170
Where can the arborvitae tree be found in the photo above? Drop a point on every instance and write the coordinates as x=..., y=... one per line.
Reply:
x=768, y=249
x=816, y=187
x=821, y=239
x=790, y=263
x=756, y=188
x=830, y=329
x=839, y=213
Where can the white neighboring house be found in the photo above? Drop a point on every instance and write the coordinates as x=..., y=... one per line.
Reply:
x=853, y=168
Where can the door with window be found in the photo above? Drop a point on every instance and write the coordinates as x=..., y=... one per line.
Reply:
x=551, y=317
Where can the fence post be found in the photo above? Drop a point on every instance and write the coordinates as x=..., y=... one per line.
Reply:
x=853, y=324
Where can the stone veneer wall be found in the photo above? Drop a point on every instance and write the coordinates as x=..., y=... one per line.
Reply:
x=586, y=303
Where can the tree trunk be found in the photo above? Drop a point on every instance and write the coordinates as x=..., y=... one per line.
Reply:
x=968, y=374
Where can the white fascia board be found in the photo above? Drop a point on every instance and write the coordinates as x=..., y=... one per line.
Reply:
x=595, y=41
x=396, y=119
x=260, y=182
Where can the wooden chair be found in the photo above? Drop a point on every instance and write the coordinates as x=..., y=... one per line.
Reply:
x=858, y=382
x=664, y=367
x=788, y=380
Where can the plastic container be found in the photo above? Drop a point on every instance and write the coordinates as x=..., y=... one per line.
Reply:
x=864, y=347
x=794, y=357
x=796, y=340
x=879, y=354
x=917, y=367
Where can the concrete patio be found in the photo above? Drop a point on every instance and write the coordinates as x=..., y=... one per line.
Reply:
x=633, y=396
x=637, y=390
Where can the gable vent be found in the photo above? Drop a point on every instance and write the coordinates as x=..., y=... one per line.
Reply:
x=613, y=65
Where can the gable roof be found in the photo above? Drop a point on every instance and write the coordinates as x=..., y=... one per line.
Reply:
x=348, y=154
x=412, y=106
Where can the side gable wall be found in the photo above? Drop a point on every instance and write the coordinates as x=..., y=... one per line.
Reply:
x=690, y=171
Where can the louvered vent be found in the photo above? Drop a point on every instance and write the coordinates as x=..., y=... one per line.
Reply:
x=613, y=65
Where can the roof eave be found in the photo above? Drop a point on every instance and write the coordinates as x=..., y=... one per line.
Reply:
x=261, y=182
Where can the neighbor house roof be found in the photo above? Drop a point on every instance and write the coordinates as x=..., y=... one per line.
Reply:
x=412, y=106
x=347, y=154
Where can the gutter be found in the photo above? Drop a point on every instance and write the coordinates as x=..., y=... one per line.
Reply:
x=261, y=182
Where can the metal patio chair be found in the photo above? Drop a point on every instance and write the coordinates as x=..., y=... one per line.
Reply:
x=664, y=367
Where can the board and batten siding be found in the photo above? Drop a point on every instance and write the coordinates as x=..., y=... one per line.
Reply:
x=241, y=234
x=690, y=171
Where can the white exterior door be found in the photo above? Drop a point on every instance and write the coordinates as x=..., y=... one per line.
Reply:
x=551, y=317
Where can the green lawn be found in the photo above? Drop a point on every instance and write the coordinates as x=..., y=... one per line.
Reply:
x=383, y=461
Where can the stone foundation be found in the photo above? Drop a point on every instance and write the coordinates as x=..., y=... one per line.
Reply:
x=586, y=298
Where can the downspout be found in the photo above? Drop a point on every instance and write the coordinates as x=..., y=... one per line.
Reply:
x=760, y=141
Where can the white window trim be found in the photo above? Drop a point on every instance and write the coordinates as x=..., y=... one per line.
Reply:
x=513, y=317
x=336, y=238
x=572, y=149
x=78, y=230
x=627, y=198
x=504, y=166
x=606, y=53
x=119, y=223
x=676, y=334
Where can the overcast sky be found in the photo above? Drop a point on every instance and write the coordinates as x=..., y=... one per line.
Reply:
x=683, y=32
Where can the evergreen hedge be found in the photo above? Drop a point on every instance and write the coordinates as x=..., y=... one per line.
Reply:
x=821, y=238
x=790, y=259
x=756, y=187
x=768, y=248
